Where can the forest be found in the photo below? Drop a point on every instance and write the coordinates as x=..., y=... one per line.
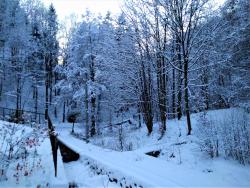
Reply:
x=157, y=62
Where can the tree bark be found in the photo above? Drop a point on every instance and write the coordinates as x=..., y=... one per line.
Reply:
x=187, y=110
x=64, y=111
x=86, y=110
x=93, y=118
x=173, y=94
x=179, y=94
x=46, y=97
x=93, y=98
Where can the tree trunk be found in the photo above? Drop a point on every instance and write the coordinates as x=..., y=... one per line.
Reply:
x=46, y=87
x=98, y=115
x=161, y=72
x=86, y=110
x=93, y=98
x=139, y=115
x=55, y=111
x=146, y=101
x=179, y=95
x=173, y=94
x=93, y=118
x=64, y=111
x=1, y=88
x=18, y=97
x=145, y=87
x=50, y=84
x=46, y=97
x=36, y=100
x=187, y=96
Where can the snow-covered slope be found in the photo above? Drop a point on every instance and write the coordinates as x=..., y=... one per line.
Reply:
x=33, y=168
x=181, y=162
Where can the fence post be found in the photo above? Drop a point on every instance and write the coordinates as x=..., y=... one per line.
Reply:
x=54, y=144
x=55, y=154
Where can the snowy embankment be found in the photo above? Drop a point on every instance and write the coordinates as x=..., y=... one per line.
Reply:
x=180, y=163
x=31, y=163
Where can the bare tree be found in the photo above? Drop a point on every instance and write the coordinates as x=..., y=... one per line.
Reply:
x=183, y=18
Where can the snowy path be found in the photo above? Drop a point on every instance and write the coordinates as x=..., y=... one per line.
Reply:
x=137, y=168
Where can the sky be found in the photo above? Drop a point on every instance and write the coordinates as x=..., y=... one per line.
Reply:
x=65, y=8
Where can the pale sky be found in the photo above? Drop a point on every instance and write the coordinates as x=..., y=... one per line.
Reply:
x=67, y=7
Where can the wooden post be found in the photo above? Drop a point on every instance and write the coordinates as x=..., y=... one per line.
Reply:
x=55, y=155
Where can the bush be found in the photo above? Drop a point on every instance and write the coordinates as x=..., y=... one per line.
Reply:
x=208, y=134
x=228, y=136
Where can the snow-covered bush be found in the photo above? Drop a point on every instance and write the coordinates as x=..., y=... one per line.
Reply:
x=235, y=131
x=116, y=139
x=18, y=150
x=227, y=135
x=208, y=134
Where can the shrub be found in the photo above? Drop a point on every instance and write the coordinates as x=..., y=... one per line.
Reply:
x=208, y=134
x=227, y=135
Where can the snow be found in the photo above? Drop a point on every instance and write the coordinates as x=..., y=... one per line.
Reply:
x=85, y=177
x=61, y=179
x=40, y=166
x=181, y=165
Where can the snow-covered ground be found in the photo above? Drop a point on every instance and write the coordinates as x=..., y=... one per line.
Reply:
x=181, y=162
x=33, y=168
